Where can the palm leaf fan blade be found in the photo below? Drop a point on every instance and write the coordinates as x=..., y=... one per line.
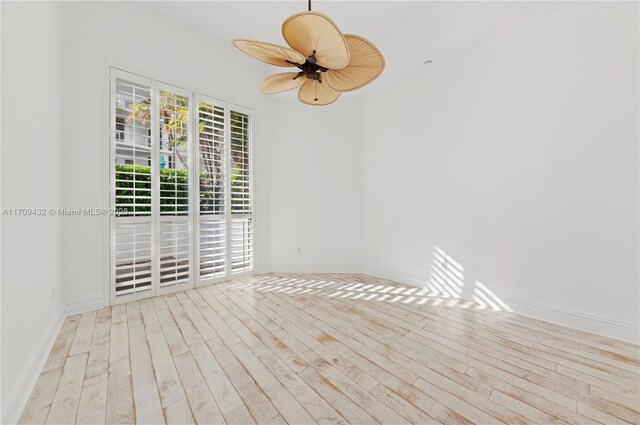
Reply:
x=315, y=93
x=270, y=53
x=365, y=65
x=307, y=32
x=281, y=82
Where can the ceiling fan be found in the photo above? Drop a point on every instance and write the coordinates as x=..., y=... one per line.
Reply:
x=328, y=61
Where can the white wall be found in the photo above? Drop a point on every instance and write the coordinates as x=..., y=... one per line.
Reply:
x=314, y=192
x=138, y=38
x=315, y=204
x=31, y=178
x=519, y=159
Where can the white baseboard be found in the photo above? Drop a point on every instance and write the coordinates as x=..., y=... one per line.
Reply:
x=311, y=268
x=628, y=332
x=575, y=319
x=81, y=305
x=18, y=395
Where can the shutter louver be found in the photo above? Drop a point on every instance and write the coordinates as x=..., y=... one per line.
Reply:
x=174, y=252
x=132, y=175
x=133, y=148
x=133, y=257
x=241, y=245
x=211, y=148
x=212, y=223
x=241, y=194
x=175, y=241
x=174, y=154
x=213, y=248
x=240, y=164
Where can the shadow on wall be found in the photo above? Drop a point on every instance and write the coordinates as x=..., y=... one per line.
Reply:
x=443, y=288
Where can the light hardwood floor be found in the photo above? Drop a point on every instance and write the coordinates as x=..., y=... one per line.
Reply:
x=338, y=348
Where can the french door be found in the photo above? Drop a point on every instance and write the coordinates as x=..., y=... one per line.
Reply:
x=181, y=185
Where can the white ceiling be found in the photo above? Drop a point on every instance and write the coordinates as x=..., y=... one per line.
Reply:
x=407, y=32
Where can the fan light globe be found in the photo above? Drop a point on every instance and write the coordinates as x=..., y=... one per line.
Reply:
x=329, y=62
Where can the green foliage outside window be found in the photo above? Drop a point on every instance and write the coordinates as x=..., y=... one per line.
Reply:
x=134, y=197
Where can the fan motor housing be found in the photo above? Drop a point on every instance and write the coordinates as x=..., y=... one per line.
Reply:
x=310, y=68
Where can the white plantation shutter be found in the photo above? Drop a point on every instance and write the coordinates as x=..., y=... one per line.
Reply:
x=175, y=165
x=211, y=141
x=174, y=154
x=212, y=168
x=241, y=193
x=181, y=179
x=213, y=248
x=133, y=148
x=240, y=164
x=132, y=257
x=132, y=229
x=175, y=252
x=241, y=245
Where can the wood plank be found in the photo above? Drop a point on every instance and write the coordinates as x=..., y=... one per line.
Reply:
x=221, y=388
x=247, y=337
x=347, y=408
x=84, y=331
x=199, y=298
x=458, y=405
x=599, y=416
x=201, y=324
x=64, y=406
x=119, y=313
x=120, y=408
x=256, y=401
x=379, y=411
x=179, y=413
x=203, y=406
x=98, y=363
x=528, y=398
x=628, y=402
x=447, y=416
x=169, y=385
x=93, y=401
x=119, y=364
x=239, y=416
x=173, y=336
x=533, y=414
x=403, y=407
x=134, y=316
x=145, y=389
x=286, y=404
x=278, y=420
x=39, y=403
x=58, y=355
x=317, y=407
